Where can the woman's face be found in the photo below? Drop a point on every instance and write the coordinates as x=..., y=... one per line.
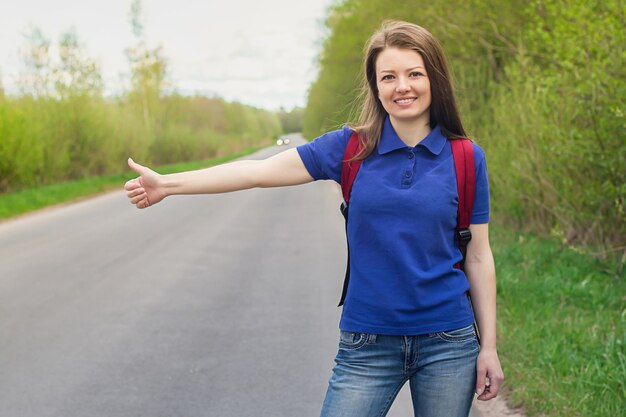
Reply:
x=403, y=85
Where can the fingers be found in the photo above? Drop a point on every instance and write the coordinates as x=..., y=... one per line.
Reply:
x=481, y=380
x=138, y=198
x=494, y=387
x=132, y=184
x=488, y=383
x=488, y=392
x=142, y=204
x=134, y=192
x=140, y=201
x=137, y=194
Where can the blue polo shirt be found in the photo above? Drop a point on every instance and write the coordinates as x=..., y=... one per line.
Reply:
x=401, y=232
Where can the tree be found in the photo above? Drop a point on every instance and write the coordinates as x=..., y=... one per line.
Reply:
x=75, y=73
x=148, y=70
x=37, y=75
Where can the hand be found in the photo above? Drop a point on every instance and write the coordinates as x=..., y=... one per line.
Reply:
x=145, y=190
x=489, y=375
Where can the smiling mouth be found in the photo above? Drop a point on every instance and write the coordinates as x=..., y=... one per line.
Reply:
x=405, y=100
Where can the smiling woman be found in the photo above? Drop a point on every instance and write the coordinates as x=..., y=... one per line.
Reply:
x=406, y=315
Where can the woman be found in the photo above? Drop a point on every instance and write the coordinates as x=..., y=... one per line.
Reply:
x=406, y=316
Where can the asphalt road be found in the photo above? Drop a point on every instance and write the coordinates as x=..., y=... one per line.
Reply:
x=218, y=305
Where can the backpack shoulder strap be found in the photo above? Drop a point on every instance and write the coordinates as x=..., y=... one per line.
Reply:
x=349, y=169
x=463, y=155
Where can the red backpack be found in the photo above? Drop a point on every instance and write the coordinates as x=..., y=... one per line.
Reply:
x=463, y=155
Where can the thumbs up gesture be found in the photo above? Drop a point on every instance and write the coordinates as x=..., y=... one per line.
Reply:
x=145, y=190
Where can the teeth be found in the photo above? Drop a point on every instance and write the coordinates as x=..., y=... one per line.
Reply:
x=405, y=100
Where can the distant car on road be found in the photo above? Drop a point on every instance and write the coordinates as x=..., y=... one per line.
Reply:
x=283, y=141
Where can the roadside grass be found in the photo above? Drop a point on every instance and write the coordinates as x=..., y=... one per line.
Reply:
x=562, y=328
x=20, y=202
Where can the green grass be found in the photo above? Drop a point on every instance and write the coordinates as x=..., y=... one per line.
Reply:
x=561, y=323
x=27, y=200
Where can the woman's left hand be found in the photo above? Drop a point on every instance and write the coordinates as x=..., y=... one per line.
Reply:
x=489, y=375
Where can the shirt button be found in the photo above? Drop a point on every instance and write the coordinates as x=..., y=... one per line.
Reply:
x=410, y=155
x=407, y=174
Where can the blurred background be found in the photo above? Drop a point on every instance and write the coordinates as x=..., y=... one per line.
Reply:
x=541, y=86
x=85, y=84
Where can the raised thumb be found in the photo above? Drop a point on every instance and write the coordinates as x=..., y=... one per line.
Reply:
x=135, y=166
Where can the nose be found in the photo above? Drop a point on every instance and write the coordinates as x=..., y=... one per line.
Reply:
x=403, y=86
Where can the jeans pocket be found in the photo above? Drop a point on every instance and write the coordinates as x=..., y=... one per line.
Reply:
x=464, y=334
x=352, y=340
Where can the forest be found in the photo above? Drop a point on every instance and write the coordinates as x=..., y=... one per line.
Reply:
x=542, y=87
x=62, y=126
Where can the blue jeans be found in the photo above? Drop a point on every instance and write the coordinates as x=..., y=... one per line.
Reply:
x=370, y=370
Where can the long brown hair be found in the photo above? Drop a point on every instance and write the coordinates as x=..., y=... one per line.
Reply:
x=443, y=108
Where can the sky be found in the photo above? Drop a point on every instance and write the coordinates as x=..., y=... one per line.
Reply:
x=259, y=52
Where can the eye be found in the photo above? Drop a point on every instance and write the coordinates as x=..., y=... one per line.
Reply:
x=387, y=77
x=416, y=74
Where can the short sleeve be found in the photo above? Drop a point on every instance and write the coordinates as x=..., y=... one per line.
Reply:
x=480, y=212
x=322, y=157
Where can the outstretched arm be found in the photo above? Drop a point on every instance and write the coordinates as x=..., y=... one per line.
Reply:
x=285, y=168
x=481, y=273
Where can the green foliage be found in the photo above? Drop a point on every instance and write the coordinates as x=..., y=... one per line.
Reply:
x=561, y=320
x=561, y=105
x=46, y=140
x=62, y=128
x=541, y=87
x=338, y=84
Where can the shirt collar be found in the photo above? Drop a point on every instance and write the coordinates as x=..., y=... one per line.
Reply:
x=390, y=141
